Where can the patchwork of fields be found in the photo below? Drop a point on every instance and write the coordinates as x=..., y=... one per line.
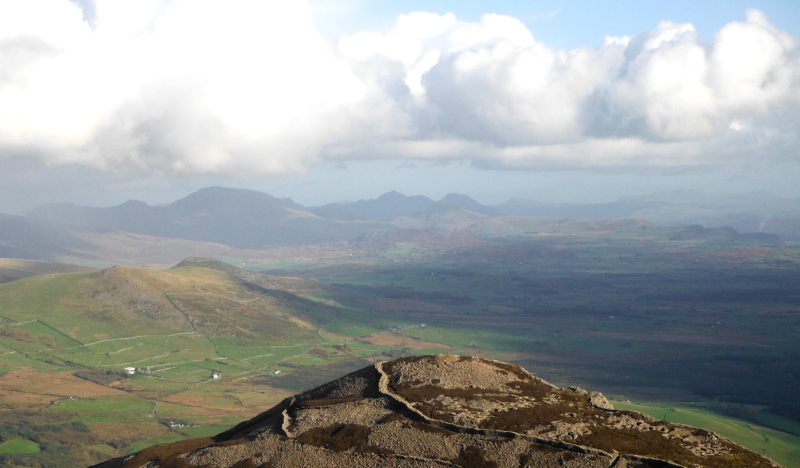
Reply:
x=637, y=312
x=66, y=341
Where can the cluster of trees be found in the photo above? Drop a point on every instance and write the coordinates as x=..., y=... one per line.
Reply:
x=56, y=440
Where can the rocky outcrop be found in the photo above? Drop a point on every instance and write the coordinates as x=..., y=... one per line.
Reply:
x=449, y=411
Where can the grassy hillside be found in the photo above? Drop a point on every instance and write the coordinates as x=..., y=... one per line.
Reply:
x=678, y=314
x=89, y=318
x=66, y=339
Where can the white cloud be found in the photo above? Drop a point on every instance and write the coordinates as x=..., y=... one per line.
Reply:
x=755, y=65
x=664, y=85
x=246, y=87
x=186, y=85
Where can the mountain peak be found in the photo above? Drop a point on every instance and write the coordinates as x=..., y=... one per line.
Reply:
x=457, y=197
x=393, y=195
x=218, y=194
x=449, y=410
x=464, y=202
x=386, y=207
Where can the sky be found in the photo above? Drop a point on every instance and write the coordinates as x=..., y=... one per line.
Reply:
x=102, y=101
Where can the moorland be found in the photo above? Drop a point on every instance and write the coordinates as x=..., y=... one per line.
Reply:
x=689, y=323
x=450, y=411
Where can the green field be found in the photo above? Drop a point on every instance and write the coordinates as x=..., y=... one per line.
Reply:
x=778, y=445
x=650, y=314
x=19, y=446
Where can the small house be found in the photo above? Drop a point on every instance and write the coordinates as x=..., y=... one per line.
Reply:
x=130, y=370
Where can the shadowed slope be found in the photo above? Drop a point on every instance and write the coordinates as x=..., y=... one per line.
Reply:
x=12, y=269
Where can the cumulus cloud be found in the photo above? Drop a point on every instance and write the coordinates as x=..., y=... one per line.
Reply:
x=184, y=85
x=245, y=87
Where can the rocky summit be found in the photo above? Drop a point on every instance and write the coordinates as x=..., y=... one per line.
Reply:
x=449, y=411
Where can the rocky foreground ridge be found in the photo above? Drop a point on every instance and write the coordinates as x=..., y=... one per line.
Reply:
x=449, y=411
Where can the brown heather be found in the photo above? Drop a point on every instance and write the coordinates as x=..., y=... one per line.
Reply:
x=449, y=411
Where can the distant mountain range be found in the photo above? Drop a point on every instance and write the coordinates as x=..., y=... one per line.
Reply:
x=236, y=217
x=249, y=219
x=393, y=205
